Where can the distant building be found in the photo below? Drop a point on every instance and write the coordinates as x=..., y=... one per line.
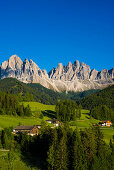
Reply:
x=39, y=126
x=55, y=122
x=31, y=130
x=105, y=123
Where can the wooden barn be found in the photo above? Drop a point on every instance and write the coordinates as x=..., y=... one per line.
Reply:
x=31, y=130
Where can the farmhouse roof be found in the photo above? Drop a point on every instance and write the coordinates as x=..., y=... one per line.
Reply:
x=104, y=121
x=24, y=127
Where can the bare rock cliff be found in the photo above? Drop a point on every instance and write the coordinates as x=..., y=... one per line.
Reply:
x=73, y=77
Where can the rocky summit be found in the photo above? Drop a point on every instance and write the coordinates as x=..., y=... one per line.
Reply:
x=73, y=77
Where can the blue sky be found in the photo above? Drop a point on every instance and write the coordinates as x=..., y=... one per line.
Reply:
x=57, y=31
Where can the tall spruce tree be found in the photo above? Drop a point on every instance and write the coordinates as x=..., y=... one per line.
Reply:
x=52, y=151
x=88, y=140
x=61, y=161
x=79, y=161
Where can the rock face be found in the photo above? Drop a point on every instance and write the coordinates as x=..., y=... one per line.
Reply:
x=73, y=77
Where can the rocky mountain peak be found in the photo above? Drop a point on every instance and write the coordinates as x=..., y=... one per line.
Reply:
x=93, y=74
x=76, y=65
x=69, y=65
x=59, y=68
x=14, y=62
x=60, y=65
x=83, y=64
x=30, y=61
x=14, y=57
x=73, y=77
x=26, y=61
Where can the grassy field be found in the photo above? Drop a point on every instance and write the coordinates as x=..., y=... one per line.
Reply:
x=108, y=133
x=85, y=121
x=38, y=109
x=17, y=163
x=48, y=112
x=35, y=106
x=7, y=121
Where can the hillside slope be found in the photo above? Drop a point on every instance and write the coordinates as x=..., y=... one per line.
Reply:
x=36, y=92
x=103, y=97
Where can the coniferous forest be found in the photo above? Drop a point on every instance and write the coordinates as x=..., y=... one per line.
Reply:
x=67, y=110
x=9, y=105
x=101, y=104
x=61, y=148
x=38, y=93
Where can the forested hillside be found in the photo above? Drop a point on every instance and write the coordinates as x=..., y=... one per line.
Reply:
x=105, y=96
x=36, y=92
x=101, y=104
x=29, y=92
x=67, y=110
x=9, y=105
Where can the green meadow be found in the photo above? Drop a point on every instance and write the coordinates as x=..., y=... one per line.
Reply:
x=48, y=112
x=35, y=106
x=108, y=133
x=7, y=121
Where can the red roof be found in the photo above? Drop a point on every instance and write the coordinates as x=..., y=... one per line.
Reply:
x=105, y=121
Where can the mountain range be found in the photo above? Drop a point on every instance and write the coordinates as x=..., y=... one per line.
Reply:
x=73, y=77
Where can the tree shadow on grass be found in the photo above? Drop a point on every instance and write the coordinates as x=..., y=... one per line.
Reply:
x=87, y=117
x=51, y=114
x=33, y=160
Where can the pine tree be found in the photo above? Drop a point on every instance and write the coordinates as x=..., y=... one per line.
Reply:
x=61, y=154
x=79, y=161
x=52, y=150
x=88, y=140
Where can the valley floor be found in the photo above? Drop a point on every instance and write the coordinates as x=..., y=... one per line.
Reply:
x=42, y=112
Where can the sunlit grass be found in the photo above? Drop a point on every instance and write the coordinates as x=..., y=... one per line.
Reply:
x=35, y=106
x=108, y=133
x=11, y=121
x=38, y=108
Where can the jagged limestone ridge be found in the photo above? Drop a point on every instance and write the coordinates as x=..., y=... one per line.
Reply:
x=73, y=77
